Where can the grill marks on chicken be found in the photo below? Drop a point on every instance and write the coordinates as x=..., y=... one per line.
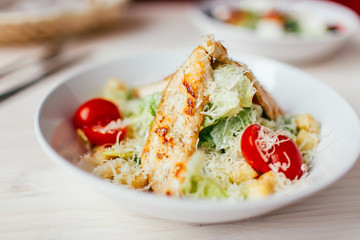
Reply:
x=219, y=52
x=174, y=133
x=175, y=130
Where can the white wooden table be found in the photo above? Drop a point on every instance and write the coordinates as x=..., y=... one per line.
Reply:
x=39, y=200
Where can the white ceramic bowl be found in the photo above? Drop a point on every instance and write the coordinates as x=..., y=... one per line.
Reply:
x=295, y=50
x=296, y=92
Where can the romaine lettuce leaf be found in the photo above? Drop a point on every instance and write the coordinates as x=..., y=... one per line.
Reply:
x=196, y=185
x=147, y=110
x=221, y=134
x=230, y=91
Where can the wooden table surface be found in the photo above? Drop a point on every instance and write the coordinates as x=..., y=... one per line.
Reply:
x=39, y=200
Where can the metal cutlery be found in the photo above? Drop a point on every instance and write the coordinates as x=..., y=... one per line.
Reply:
x=17, y=79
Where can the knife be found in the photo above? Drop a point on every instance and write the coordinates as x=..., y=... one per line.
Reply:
x=26, y=77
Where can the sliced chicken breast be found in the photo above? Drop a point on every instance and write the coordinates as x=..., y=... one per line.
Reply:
x=175, y=130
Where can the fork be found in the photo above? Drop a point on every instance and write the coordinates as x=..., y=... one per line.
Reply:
x=38, y=71
x=52, y=50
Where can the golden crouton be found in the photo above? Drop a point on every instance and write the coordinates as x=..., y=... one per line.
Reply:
x=139, y=181
x=242, y=173
x=306, y=140
x=262, y=187
x=307, y=122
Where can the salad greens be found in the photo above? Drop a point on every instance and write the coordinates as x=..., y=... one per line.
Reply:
x=198, y=186
x=217, y=169
x=230, y=91
x=219, y=135
x=147, y=110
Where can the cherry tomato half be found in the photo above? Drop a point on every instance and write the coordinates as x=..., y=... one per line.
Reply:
x=96, y=111
x=100, y=135
x=289, y=156
x=250, y=151
x=260, y=149
x=93, y=118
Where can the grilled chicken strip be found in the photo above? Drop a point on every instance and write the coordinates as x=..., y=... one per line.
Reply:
x=174, y=133
x=218, y=52
x=266, y=101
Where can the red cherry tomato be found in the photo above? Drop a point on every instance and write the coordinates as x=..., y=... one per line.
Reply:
x=93, y=118
x=96, y=111
x=99, y=135
x=289, y=157
x=261, y=147
x=250, y=151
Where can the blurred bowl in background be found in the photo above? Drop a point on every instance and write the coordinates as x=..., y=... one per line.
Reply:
x=23, y=21
x=321, y=27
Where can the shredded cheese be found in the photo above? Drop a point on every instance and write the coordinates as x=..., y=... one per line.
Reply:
x=121, y=163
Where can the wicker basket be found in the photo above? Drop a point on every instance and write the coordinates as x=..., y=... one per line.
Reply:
x=30, y=25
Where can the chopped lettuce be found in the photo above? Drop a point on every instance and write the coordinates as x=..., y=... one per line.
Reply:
x=143, y=118
x=230, y=91
x=220, y=135
x=196, y=185
x=138, y=113
x=287, y=125
x=205, y=139
x=124, y=153
x=148, y=108
x=140, y=122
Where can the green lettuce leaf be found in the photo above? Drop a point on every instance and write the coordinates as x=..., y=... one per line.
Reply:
x=221, y=134
x=196, y=185
x=145, y=115
x=228, y=94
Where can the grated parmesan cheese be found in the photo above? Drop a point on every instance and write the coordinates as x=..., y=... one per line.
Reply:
x=222, y=169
